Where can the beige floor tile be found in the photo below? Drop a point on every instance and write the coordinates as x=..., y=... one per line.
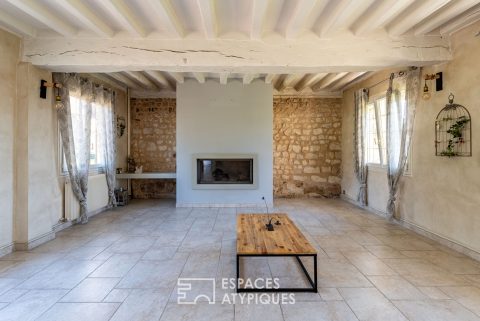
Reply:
x=338, y=242
x=85, y=253
x=468, y=296
x=318, y=311
x=435, y=310
x=145, y=305
x=79, y=312
x=472, y=279
x=117, y=295
x=198, y=312
x=435, y=279
x=5, y=265
x=12, y=295
x=116, y=266
x=160, y=253
x=31, y=305
x=335, y=274
x=329, y=294
x=152, y=274
x=7, y=284
x=369, y=304
x=62, y=274
x=384, y=252
x=104, y=239
x=395, y=287
x=170, y=238
x=149, y=243
x=91, y=290
x=364, y=238
x=201, y=265
x=133, y=244
x=368, y=263
x=433, y=293
x=249, y=312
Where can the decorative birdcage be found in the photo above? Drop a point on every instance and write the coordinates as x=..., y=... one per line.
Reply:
x=453, y=131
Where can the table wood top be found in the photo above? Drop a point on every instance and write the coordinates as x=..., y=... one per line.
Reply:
x=253, y=238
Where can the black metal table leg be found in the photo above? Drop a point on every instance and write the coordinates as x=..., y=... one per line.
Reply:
x=238, y=271
x=313, y=283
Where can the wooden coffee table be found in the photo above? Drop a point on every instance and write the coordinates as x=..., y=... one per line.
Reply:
x=253, y=239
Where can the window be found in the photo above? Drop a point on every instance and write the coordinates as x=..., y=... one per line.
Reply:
x=376, y=132
x=376, y=152
x=96, y=156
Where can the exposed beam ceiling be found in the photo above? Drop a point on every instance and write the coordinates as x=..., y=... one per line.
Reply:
x=85, y=15
x=167, y=15
x=255, y=19
x=149, y=82
x=308, y=46
x=40, y=13
x=342, y=53
x=209, y=21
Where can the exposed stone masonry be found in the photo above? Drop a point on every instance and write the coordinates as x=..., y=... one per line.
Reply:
x=307, y=150
x=153, y=144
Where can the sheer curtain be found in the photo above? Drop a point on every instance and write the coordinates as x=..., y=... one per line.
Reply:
x=75, y=127
x=402, y=97
x=359, y=150
x=104, y=108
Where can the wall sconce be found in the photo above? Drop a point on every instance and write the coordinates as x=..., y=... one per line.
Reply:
x=55, y=85
x=438, y=77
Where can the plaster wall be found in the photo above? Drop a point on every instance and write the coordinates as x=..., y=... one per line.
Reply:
x=232, y=118
x=9, y=53
x=38, y=185
x=442, y=194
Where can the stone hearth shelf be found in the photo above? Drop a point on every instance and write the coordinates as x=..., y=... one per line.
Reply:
x=151, y=175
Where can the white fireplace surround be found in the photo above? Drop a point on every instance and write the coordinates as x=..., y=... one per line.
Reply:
x=226, y=119
x=195, y=185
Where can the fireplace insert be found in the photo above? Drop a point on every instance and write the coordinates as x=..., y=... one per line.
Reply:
x=224, y=171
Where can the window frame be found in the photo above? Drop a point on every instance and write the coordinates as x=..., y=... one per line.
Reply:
x=378, y=167
x=372, y=100
x=94, y=169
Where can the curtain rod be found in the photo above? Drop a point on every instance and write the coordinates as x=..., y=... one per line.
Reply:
x=395, y=75
x=84, y=77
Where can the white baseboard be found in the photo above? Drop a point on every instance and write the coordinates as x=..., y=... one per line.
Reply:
x=98, y=211
x=440, y=239
x=39, y=240
x=454, y=245
x=6, y=249
x=349, y=199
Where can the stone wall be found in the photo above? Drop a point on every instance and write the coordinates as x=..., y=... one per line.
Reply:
x=153, y=144
x=307, y=149
x=306, y=135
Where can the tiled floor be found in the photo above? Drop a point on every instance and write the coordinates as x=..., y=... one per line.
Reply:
x=124, y=265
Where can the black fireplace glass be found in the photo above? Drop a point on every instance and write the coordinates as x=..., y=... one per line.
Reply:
x=225, y=171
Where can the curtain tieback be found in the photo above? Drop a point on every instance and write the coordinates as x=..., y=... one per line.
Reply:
x=363, y=185
x=392, y=199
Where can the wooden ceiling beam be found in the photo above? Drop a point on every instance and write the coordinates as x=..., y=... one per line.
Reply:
x=85, y=15
x=41, y=13
x=257, y=57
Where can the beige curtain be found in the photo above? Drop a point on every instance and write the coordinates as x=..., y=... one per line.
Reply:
x=75, y=126
x=359, y=148
x=402, y=97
